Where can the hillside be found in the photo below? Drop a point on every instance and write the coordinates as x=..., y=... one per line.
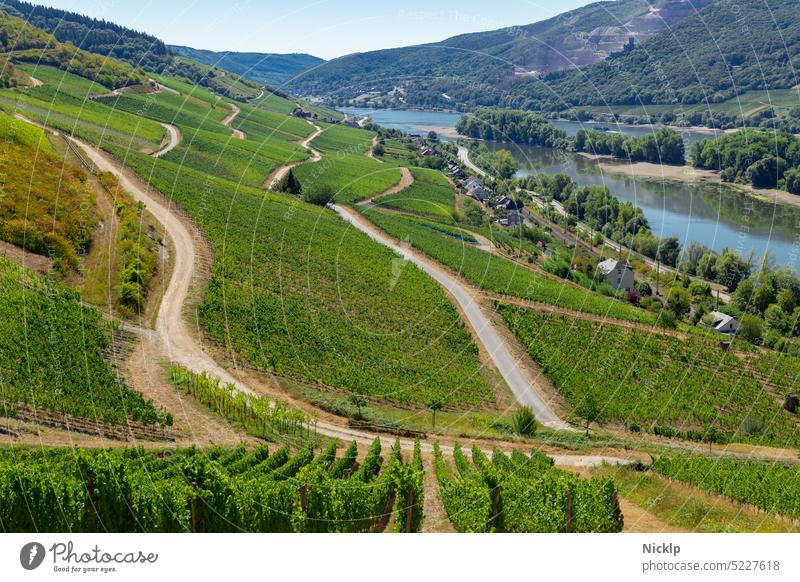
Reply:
x=92, y=35
x=272, y=69
x=730, y=48
x=471, y=65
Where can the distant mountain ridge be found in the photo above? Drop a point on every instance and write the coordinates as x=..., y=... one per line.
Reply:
x=272, y=69
x=430, y=74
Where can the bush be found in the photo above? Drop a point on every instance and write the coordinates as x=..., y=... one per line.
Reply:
x=523, y=422
x=667, y=319
x=321, y=195
x=751, y=329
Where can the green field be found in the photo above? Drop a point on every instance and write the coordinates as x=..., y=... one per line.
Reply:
x=297, y=292
x=652, y=380
x=500, y=275
x=209, y=490
x=51, y=354
x=431, y=194
x=344, y=166
x=62, y=103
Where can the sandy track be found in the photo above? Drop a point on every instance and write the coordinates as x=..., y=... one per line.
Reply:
x=173, y=140
x=406, y=180
x=278, y=174
x=228, y=122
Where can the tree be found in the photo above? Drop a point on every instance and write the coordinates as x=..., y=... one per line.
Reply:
x=763, y=297
x=742, y=298
x=359, y=402
x=378, y=150
x=590, y=409
x=731, y=269
x=434, y=406
x=793, y=180
x=289, y=184
x=776, y=319
x=321, y=195
x=504, y=164
x=787, y=301
x=678, y=301
x=707, y=266
x=751, y=328
x=668, y=251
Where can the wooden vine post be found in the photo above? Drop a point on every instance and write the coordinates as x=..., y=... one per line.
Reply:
x=568, y=497
x=410, y=511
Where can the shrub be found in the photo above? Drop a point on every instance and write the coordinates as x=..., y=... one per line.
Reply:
x=321, y=195
x=523, y=422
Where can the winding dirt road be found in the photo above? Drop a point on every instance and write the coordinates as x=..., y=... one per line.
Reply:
x=173, y=140
x=228, y=122
x=278, y=174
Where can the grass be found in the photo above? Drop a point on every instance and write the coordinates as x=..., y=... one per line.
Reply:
x=500, y=275
x=431, y=194
x=652, y=380
x=689, y=508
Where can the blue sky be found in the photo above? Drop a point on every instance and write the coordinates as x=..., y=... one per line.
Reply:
x=326, y=28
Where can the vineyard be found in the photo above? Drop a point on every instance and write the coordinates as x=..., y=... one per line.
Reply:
x=322, y=302
x=345, y=168
x=51, y=355
x=213, y=490
x=430, y=194
x=773, y=487
x=523, y=494
x=500, y=275
x=658, y=383
x=266, y=418
x=62, y=102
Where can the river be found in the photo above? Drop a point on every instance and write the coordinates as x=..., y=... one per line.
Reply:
x=715, y=215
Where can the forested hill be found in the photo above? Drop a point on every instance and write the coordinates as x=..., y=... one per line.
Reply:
x=92, y=35
x=477, y=67
x=272, y=69
x=729, y=48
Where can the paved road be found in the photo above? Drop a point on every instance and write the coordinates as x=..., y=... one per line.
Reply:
x=520, y=384
x=174, y=139
x=463, y=155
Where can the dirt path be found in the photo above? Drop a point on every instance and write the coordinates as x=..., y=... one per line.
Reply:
x=638, y=520
x=228, y=122
x=371, y=152
x=173, y=140
x=406, y=181
x=434, y=516
x=278, y=174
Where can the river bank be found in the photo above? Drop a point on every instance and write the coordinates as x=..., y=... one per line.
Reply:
x=650, y=171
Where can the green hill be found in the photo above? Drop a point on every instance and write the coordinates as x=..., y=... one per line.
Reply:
x=272, y=69
x=473, y=69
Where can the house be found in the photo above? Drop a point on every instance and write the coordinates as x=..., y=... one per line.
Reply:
x=618, y=274
x=331, y=120
x=512, y=220
x=724, y=323
x=472, y=183
x=507, y=203
x=479, y=193
x=303, y=113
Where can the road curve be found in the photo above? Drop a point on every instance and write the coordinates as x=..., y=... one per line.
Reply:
x=278, y=174
x=463, y=155
x=520, y=385
x=228, y=122
x=174, y=140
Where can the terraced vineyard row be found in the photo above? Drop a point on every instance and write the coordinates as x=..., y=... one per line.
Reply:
x=430, y=194
x=523, y=494
x=774, y=487
x=655, y=382
x=51, y=355
x=214, y=490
